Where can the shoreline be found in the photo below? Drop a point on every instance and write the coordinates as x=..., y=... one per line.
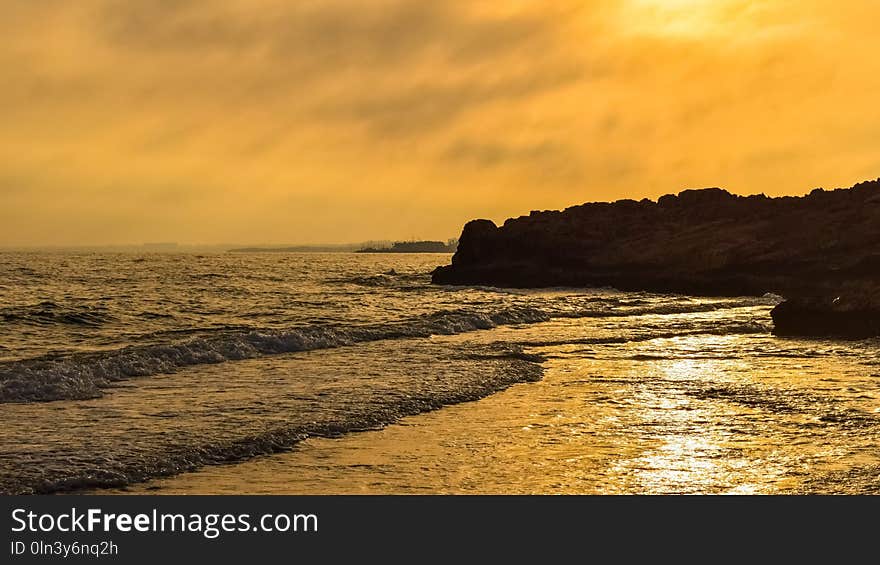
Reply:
x=183, y=404
x=640, y=428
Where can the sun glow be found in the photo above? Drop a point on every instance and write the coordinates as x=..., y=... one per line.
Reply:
x=683, y=18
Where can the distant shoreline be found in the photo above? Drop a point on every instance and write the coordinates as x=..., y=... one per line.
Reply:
x=295, y=249
x=414, y=247
x=393, y=251
x=366, y=247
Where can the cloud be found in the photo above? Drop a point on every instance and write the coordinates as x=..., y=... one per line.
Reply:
x=490, y=154
x=333, y=35
x=422, y=107
x=265, y=120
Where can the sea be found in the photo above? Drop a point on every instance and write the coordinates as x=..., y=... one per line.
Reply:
x=351, y=373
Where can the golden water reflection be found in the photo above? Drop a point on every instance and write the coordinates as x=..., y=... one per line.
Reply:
x=734, y=414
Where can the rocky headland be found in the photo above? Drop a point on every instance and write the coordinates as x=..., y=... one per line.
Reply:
x=820, y=251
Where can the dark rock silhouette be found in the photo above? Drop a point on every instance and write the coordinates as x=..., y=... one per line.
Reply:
x=826, y=317
x=813, y=249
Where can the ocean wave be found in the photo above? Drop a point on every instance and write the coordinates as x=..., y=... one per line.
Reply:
x=199, y=443
x=733, y=328
x=665, y=309
x=390, y=278
x=825, y=410
x=85, y=375
x=82, y=376
x=150, y=315
x=49, y=313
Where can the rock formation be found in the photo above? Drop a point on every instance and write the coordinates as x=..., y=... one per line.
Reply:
x=822, y=249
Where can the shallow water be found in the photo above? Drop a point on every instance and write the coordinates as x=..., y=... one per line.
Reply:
x=278, y=362
x=671, y=415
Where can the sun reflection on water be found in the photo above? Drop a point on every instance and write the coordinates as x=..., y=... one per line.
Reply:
x=705, y=413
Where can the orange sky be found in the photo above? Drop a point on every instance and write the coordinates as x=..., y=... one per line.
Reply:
x=270, y=121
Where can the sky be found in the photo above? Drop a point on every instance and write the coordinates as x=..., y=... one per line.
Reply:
x=320, y=121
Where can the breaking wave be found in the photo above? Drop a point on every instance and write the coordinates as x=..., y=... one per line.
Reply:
x=199, y=443
x=82, y=376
